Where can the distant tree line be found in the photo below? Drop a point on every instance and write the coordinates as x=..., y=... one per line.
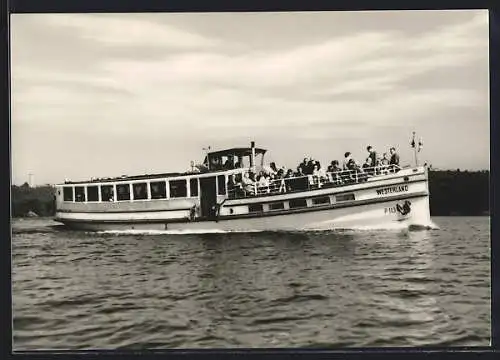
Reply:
x=458, y=192
x=452, y=193
x=38, y=200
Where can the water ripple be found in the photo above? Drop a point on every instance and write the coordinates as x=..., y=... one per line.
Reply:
x=330, y=289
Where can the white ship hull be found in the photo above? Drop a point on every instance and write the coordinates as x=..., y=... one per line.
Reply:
x=382, y=215
x=396, y=201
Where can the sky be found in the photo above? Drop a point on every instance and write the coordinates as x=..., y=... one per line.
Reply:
x=97, y=95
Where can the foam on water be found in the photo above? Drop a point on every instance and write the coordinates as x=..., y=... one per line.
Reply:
x=393, y=226
x=171, y=232
x=386, y=226
x=374, y=227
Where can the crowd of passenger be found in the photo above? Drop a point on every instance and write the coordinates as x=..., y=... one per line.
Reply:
x=311, y=172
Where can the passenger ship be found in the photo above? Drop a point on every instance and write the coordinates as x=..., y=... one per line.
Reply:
x=201, y=200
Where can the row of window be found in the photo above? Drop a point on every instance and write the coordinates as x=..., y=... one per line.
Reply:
x=300, y=203
x=138, y=191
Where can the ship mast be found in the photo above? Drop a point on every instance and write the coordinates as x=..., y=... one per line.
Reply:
x=416, y=149
x=252, y=157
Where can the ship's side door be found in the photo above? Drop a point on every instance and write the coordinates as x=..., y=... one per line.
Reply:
x=208, y=196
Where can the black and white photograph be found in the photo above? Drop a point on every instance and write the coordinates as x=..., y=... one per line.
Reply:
x=250, y=180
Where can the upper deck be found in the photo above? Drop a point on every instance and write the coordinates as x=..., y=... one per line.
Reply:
x=223, y=174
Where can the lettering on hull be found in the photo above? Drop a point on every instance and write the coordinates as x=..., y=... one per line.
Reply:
x=402, y=208
x=392, y=189
x=390, y=210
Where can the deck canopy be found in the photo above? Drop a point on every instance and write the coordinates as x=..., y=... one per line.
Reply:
x=232, y=158
x=236, y=152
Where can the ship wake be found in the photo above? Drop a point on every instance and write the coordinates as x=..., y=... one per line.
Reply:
x=356, y=228
x=172, y=232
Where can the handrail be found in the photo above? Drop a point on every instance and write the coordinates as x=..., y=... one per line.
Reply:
x=312, y=182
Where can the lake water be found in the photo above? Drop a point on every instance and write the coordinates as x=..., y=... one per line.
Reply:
x=77, y=290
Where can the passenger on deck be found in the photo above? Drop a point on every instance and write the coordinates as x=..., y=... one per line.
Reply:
x=263, y=183
x=351, y=165
x=303, y=166
x=310, y=167
x=394, y=157
x=321, y=171
x=334, y=169
x=231, y=181
x=347, y=157
x=348, y=163
x=273, y=167
x=330, y=167
x=248, y=184
x=232, y=185
x=334, y=166
x=367, y=166
x=372, y=154
x=229, y=164
x=385, y=160
x=315, y=173
x=263, y=180
x=216, y=164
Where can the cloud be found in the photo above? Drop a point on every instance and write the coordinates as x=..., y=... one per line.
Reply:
x=121, y=30
x=138, y=79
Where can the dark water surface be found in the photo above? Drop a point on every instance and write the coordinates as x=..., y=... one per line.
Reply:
x=77, y=290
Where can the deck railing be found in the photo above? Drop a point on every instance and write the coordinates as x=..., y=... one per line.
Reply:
x=310, y=182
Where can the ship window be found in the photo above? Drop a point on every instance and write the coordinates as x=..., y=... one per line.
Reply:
x=178, y=188
x=297, y=203
x=123, y=192
x=221, y=185
x=344, y=197
x=79, y=193
x=276, y=206
x=255, y=208
x=140, y=191
x=68, y=193
x=107, y=193
x=321, y=200
x=193, y=187
x=92, y=193
x=158, y=190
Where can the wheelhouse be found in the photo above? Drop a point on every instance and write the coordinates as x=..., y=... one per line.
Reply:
x=235, y=158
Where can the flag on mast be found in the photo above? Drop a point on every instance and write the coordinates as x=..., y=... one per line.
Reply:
x=420, y=144
x=413, y=141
